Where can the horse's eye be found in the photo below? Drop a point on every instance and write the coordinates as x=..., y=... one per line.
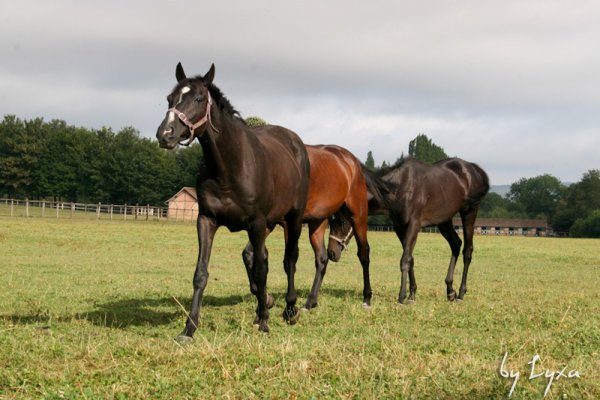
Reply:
x=198, y=99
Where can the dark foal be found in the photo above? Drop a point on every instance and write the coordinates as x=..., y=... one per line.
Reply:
x=251, y=179
x=416, y=195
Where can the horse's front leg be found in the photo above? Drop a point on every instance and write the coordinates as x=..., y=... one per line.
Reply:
x=316, y=231
x=206, y=232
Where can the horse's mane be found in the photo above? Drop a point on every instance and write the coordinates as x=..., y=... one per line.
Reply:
x=221, y=101
x=386, y=170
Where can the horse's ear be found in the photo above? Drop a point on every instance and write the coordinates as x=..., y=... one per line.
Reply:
x=210, y=75
x=179, y=74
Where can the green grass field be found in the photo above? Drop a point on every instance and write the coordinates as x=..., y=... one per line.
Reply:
x=88, y=309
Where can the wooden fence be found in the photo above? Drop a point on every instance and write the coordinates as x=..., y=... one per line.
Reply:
x=61, y=209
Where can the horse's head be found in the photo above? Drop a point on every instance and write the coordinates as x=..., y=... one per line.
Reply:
x=189, y=109
x=340, y=233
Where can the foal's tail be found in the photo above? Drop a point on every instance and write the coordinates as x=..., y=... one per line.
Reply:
x=378, y=191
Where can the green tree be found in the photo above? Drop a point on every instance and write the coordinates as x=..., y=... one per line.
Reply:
x=422, y=148
x=579, y=200
x=538, y=196
x=20, y=147
x=254, y=121
x=370, y=163
x=588, y=226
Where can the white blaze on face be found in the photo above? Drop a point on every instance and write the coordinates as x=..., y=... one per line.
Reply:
x=184, y=90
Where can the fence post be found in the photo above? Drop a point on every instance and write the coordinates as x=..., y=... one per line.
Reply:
x=57, y=208
x=125, y=213
x=98, y=211
x=12, y=207
x=26, y=207
x=43, y=208
x=111, y=211
x=72, y=209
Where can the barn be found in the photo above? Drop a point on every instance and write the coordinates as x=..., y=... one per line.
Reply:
x=508, y=227
x=183, y=206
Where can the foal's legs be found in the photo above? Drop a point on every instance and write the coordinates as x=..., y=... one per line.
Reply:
x=316, y=231
x=408, y=237
x=447, y=230
x=468, y=221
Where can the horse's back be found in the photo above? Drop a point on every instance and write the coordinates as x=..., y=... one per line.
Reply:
x=335, y=177
x=284, y=161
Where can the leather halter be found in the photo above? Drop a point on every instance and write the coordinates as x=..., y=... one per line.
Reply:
x=343, y=242
x=193, y=126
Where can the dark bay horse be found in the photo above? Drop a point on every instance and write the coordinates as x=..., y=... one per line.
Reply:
x=336, y=184
x=251, y=179
x=417, y=195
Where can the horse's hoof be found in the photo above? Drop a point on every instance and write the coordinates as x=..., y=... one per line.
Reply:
x=183, y=339
x=256, y=321
x=410, y=302
x=452, y=296
x=262, y=327
x=291, y=316
x=459, y=300
x=366, y=306
x=304, y=310
x=270, y=301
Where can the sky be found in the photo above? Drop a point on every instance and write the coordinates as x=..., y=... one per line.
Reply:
x=513, y=86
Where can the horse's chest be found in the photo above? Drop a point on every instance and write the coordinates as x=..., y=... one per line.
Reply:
x=222, y=205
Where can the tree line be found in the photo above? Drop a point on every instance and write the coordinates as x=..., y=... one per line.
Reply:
x=54, y=160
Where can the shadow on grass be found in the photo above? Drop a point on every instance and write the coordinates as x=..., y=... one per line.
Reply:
x=124, y=313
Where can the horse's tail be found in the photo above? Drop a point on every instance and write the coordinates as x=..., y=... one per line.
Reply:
x=378, y=191
x=480, y=186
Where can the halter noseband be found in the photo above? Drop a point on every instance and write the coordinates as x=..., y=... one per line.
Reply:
x=343, y=242
x=193, y=126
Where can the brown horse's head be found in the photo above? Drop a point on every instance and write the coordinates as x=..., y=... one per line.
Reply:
x=189, y=112
x=340, y=233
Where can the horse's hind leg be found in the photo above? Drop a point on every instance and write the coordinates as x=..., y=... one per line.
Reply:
x=447, y=230
x=248, y=258
x=468, y=221
x=259, y=271
x=294, y=229
x=317, y=232
x=408, y=237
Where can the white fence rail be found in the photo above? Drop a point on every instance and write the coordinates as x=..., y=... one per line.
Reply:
x=62, y=209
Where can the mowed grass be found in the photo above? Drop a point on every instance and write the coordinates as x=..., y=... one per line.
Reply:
x=89, y=309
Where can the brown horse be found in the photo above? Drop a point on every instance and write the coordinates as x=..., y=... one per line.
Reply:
x=251, y=179
x=416, y=195
x=336, y=184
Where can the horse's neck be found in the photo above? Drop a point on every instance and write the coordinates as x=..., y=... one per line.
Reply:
x=223, y=149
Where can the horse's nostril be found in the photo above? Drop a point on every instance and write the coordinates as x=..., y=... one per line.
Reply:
x=168, y=131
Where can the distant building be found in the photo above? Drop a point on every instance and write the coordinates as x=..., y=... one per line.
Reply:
x=507, y=227
x=183, y=206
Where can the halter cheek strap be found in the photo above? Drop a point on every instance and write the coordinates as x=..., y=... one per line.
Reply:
x=193, y=126
x=343, y=242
